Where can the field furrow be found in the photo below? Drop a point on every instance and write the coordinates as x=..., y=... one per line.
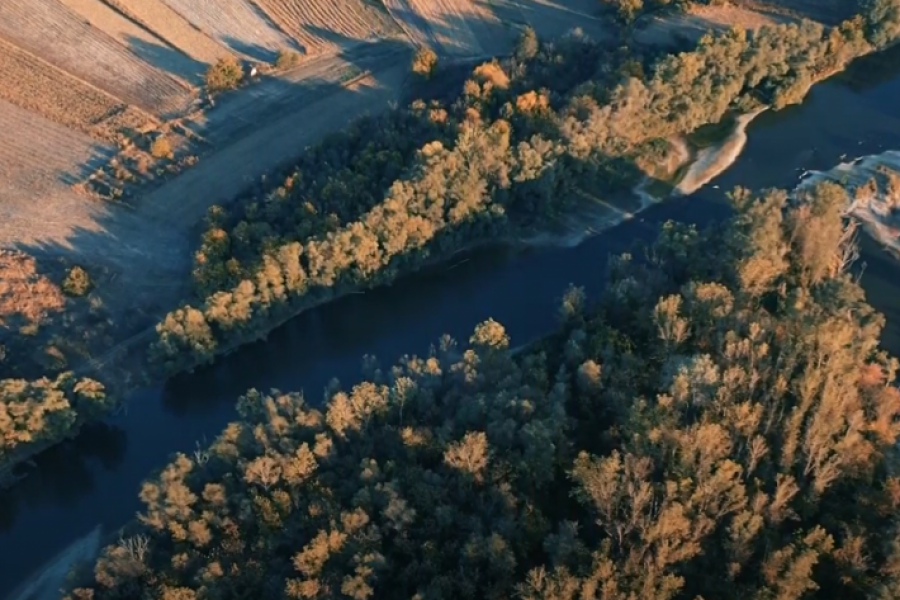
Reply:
x=449, y=20
x=443, y=25
x=138, y=39
x=44, y=89
x=236, y=24
x=51, y=31
x=37, y=159
x=171, y=27
x=321, y=24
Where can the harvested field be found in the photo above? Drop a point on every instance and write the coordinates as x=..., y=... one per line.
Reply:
x=236, y=24
x=444, y=25
x=320, y=25
x=46, y=90
x=37, y=157
x=667, y=30
x=51, y=31
x=171, y=27
x=138, y=39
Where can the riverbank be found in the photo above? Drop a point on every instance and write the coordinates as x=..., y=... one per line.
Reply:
x=265, y=318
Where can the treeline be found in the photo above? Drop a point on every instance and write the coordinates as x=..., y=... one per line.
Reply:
x=36, y=414
x=393, y=194
x=720, y=424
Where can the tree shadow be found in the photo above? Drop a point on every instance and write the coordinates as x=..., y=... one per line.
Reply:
x=240, y=112
x=168, y=59
x=254, y=51
x=551, y=19
x=64, y=474
x=871, y=71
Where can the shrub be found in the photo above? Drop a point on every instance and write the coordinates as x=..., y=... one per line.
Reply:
x=161, y=148
x=287, y=59
x=425, y=62
x=226, y=74
x=77, y=282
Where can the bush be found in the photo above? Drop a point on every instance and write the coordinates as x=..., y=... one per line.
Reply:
x=161, y=148
x=425, y=62
x=77, y=283
x=225, y=74
x=287, y=59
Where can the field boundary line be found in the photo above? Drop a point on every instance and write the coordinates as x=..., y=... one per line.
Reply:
x=125, y=12
x=49, y=65
x=116, y=9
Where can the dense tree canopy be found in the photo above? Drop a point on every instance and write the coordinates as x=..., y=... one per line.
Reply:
x=526, y=132
x=719, y=424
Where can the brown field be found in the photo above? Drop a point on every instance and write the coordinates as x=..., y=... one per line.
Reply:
x=51, y=31
x=322, y=25
x=48, y=91
x=444, y=25
x=236, y=24
x=37, y=157
x=136, y=38
x=171, y=27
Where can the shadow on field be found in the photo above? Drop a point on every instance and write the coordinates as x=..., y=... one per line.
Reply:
x=254, y=51
x=168, y=59
x=552, y=18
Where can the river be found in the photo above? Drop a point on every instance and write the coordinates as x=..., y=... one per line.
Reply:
x=95, y=479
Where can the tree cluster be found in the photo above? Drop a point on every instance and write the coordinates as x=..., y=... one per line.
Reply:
x=720, y=423
x=35, y=414
x=421, y=184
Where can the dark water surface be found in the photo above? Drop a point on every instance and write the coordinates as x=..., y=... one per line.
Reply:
x=95, y=479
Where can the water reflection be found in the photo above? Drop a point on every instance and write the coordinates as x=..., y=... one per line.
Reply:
x=66, y=473
x=96, y=478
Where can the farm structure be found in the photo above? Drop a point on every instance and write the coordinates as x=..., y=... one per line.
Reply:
x=168, y=25
x=323, y=26
x=147, y=45
x=51, y=31
x=236, y=24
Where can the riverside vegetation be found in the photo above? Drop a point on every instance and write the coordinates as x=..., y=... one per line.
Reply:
x=391, y=194
x=720, y=423
x=395, y=193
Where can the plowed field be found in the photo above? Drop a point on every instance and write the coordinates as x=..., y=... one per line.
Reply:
x=51, y=31
x=236, y=24
x=136, y=38
x=171, y=27
x=320, y=25
x=444, y=25
x=46, y=90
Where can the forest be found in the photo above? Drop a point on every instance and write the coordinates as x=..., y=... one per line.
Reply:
x=393, y=194
x=719, y=423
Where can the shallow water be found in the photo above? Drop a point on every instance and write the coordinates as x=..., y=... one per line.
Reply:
x=95, y=479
